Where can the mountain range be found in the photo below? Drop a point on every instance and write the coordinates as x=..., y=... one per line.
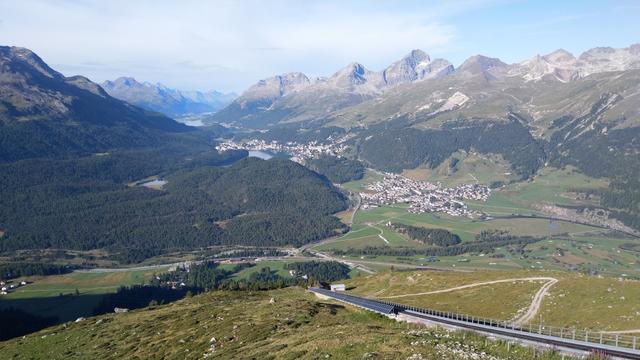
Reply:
x=168, y=101
x=44, y=113
x=294, y=97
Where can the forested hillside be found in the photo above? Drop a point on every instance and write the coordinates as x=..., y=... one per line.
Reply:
x=395, y=146
x=74, y=160
x=83, y=205
x=338, y=170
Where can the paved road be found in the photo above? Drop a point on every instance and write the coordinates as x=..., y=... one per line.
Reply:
x=484, y=326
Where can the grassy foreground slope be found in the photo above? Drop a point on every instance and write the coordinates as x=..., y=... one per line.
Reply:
x=239, y=325
x=575, y=300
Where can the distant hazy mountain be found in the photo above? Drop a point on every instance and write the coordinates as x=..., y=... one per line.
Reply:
x=43, y=113
x=171, y=102
x=294, y=97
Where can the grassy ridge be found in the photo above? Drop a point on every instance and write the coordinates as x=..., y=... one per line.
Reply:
x=219, y=325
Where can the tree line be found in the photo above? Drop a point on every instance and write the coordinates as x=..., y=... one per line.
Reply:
x=435, y=237
x=324, y=271
x=19, y=269
x=486, y=242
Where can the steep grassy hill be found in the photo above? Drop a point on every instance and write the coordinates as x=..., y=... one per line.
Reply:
x=248, y=325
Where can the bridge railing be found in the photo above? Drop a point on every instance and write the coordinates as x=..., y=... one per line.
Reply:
x=570, y=333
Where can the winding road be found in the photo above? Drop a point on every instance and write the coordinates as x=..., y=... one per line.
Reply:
x=531, y=310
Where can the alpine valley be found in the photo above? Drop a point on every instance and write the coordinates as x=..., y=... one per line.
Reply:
x=507, y=194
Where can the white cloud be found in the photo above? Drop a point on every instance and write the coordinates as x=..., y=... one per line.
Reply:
x=224, y=44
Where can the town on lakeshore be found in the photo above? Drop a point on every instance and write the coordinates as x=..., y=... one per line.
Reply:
x=393, y=189
x=299, y=152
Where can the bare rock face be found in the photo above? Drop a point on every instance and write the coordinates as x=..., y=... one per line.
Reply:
x=604, y=59
x=483, y=67
x=21, y=74
x=563, y=66
x=416, y=65
x=351, y=75
x=266, y=91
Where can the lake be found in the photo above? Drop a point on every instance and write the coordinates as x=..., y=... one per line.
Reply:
x=260, y=154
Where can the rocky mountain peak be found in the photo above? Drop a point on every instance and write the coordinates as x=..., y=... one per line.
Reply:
x=417, y=56
x=559, y=56
x=597, y=53
x=293, y=81
x=480, y=65
x=410, y=68
x=604, y=59
x=123, y=81
x=266, y=91
x=352, y=74
x=20, y=60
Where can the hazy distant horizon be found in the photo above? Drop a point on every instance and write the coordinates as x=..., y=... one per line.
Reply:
x=228, y=45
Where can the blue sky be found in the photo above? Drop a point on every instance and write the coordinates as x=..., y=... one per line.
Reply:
x=229, y=44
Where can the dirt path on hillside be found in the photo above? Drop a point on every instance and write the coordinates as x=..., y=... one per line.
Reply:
x=380, y=234
x=528, y=315
x=548, y=279
x=534, y=307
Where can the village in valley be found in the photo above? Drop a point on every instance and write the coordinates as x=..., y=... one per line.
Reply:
x=421, y=196
x=298, y=152
x=424, y=196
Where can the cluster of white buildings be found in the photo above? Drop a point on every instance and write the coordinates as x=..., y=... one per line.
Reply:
x=7, y=288
x=424, y=196
x=299, y=152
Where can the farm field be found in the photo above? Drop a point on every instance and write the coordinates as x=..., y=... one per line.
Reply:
x=588, y=254
x=586, y=302
x=550, y=186
x=470, y=168
x=368, y=224
x=565, y=245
